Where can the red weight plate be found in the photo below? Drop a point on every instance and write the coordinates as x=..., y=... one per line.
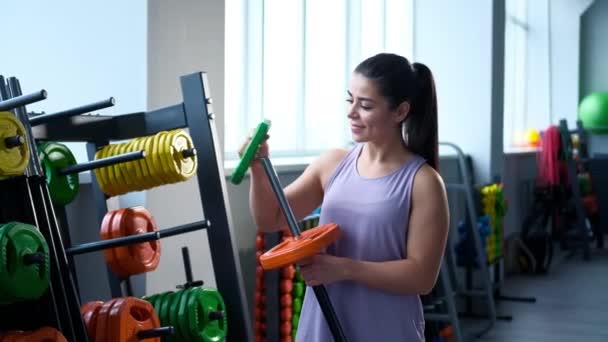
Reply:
x=133, y=316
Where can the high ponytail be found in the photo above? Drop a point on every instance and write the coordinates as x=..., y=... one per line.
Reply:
x=398, y=81
x=421, y=124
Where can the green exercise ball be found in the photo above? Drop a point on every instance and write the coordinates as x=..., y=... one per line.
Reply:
x=593, y=112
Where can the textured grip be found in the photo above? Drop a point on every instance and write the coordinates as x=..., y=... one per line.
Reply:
x=250, y=151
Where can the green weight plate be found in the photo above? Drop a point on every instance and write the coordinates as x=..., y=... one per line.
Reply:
x=298, y=290
x=173, y=315
x=166, y=312
x=183, y=319
x=196, y=312
x=163, y=302
x=298, y=278
x=297, y=305
x=250, y=151
x=54, y=157
x=215, y=330
x=18, y=279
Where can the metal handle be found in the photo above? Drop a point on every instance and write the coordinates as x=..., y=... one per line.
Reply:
x=95, y=164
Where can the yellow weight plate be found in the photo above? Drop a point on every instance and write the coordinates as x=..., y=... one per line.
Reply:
x=157, y=160
x=13, y=161
x=103, y=172
x=129, y=167
x=122, y=168
x=162, y=169
x=148, y=142
x=98, y=171
x=143, y=180
x=135, y=165
x=110, y=170
x=121, y=183
x=186, y=166
x=167, y=159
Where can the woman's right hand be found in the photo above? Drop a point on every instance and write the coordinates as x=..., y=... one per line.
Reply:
x=263, y=149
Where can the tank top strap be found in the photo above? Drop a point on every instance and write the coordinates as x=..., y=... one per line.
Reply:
x=344, y=165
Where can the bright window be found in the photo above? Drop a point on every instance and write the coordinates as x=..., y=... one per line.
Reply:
x=290, y=60
x=515, y=96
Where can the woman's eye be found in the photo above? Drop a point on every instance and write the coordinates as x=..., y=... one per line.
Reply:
x=366, y=107
x=349, y=100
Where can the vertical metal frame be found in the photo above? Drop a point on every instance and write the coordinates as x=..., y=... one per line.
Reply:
x=214, y=197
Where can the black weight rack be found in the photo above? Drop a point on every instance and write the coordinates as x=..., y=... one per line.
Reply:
x=61, y=307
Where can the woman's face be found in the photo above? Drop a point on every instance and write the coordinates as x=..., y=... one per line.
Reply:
x=369, y=114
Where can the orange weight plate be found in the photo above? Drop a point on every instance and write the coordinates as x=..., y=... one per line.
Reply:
x=142, y=257
x=308, y=244
x=106, y=234
x=46, y=334
x=133, y=315
x=89, y=313
x=101, y=329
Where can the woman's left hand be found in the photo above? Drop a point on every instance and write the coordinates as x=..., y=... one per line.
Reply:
x=324, y=269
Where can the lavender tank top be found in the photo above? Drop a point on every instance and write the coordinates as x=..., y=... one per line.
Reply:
x=373, y=214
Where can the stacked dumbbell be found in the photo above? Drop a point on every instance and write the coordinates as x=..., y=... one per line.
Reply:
x=260, y=297
x=494, y=208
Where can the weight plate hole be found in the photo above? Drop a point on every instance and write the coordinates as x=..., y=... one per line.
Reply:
x=140, y=314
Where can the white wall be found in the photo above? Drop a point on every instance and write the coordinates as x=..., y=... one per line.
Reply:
x=565, y=58
x=79, y=54
x=459, y=52
x=183, y=37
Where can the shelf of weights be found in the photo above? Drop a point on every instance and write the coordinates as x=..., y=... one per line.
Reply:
x=279, y=296
x=164, y=143
x=38, y=297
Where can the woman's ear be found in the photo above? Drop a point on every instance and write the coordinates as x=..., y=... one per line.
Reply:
x=402, y=111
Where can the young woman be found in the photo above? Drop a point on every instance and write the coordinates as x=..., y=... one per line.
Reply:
x=388, y=200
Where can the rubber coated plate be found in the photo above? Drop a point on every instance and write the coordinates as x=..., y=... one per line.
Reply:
x=17, y=279
x=13, y=161
x=118, y=171
x=101, y=330
x=113, y=320
x=215, y=330
x=196, y=314
x=145, y=256
x=164, y=158
x=100, y=172
x=250, y=151
x=291, y=251
x=131, y=317
x=185, y=166
x=184, y=315
x=158, y=160
x=54, y=157
x=89, y=312
x=173, y=315
x=148, y=160
x=122, y=270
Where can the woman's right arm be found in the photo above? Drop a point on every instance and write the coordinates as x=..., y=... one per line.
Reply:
x=304, y=194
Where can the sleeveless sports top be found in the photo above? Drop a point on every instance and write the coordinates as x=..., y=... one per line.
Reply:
x=373, y=214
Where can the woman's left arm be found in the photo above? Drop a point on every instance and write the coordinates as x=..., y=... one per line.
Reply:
x=427, y=236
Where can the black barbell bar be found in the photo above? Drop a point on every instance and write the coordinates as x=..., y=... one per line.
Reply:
x=44, y=118
x=138, y=238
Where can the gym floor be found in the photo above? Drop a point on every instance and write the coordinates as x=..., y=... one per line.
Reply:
x=571, y=303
